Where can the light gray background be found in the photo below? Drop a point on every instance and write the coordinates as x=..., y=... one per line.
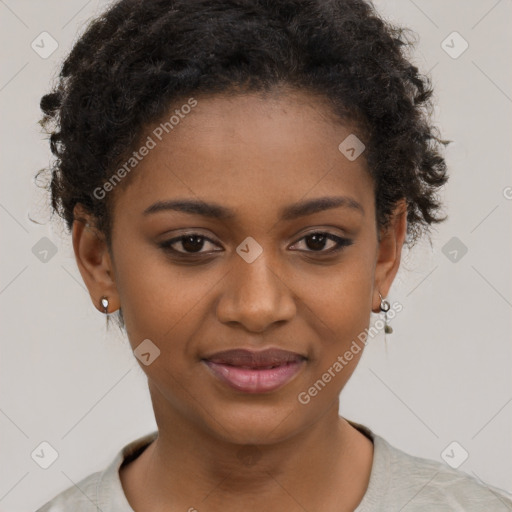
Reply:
x=446, y=375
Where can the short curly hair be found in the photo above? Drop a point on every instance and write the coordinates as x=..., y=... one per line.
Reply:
x=142, y=56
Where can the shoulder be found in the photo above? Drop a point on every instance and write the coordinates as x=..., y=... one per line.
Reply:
x=101, y=490
x=420, y=483
x=400, y=481
x=79, y=498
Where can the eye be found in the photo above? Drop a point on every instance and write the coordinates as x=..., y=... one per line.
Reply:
x=318, y=240
x=192, y=243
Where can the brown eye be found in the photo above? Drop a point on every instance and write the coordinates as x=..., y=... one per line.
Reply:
x=191, y=243
x=316, y=242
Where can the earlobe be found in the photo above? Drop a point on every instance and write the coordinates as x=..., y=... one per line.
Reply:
x=94, y=261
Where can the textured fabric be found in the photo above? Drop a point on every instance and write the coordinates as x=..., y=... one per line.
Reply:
x=398, y=482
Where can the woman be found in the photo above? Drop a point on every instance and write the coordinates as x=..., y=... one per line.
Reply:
x=239, y=178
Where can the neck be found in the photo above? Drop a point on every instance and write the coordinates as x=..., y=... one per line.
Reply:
x=326, y=461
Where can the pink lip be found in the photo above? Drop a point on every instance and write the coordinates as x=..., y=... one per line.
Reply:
x=255, y=380
x=248, y=371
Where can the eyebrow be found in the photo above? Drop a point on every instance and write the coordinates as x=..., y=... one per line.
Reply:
x=290, y=212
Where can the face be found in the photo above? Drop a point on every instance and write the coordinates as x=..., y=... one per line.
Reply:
x=269, y=272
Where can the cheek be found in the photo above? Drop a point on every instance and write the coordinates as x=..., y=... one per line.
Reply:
x=337, y=300
x=340, y=324
x=161, y=301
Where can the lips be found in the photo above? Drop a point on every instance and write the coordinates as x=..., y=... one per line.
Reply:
x=255, y=372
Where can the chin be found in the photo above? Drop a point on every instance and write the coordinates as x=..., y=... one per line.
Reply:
x=254, y=424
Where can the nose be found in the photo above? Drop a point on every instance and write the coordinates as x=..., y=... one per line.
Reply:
x=256, y=296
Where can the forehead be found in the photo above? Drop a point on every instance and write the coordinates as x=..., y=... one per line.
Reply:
x=250, y=152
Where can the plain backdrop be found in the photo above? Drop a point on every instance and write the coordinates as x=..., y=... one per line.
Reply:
x=446, y=373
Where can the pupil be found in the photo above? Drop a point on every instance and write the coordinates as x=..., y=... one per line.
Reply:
x=191, y=244
x=318, y=241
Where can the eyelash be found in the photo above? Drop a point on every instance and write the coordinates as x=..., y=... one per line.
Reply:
x=341, y=244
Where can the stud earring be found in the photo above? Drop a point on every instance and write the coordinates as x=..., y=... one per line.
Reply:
x=104, y=304
x=384, y=307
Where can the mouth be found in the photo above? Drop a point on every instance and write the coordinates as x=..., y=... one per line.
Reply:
x=255, y=372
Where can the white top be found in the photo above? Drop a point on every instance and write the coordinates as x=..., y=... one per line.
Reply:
x=398, y=481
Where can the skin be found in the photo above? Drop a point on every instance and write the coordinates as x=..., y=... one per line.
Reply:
x=254, y=155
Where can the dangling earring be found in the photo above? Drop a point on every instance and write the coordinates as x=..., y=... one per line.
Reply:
x=104, y=304
x=384, y=307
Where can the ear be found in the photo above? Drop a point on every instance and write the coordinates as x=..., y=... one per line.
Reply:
x=93, y=260
x=389, y=253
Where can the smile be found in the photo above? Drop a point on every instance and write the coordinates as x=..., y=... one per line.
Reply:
x=255, y=372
